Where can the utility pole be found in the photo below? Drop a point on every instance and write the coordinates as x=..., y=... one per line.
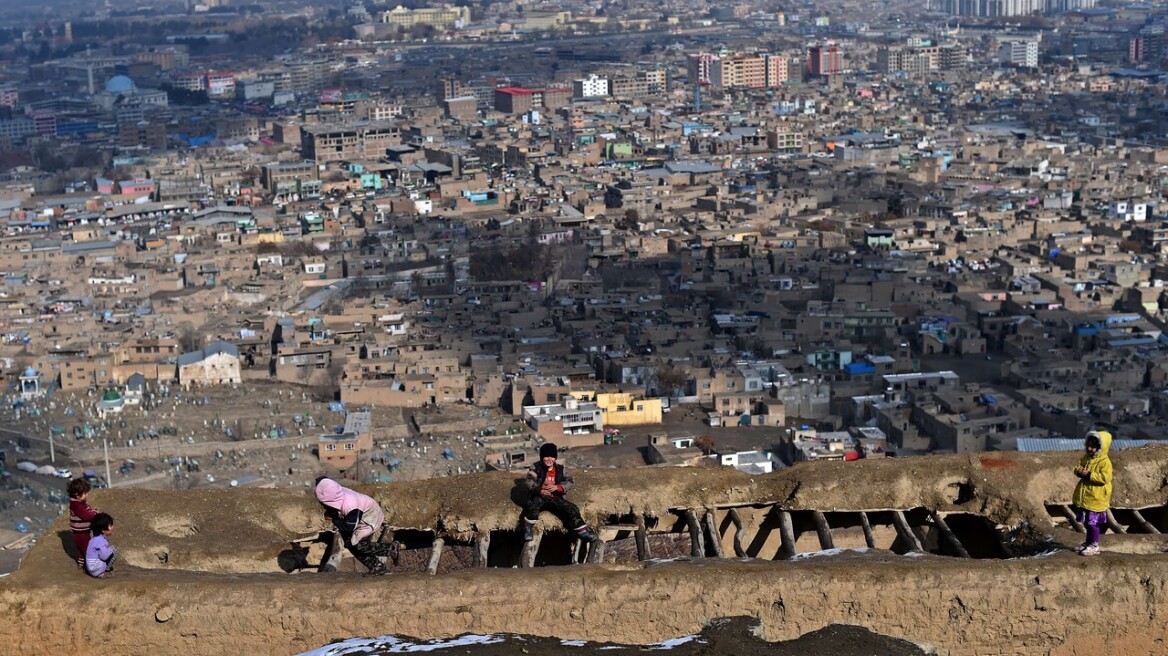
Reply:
x=109, y=481
x=52, y=452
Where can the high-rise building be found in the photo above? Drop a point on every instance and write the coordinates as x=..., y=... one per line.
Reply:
x=697, y=67
x=1021, y=52
x=1006, y=8
x=825, y=60
x=739, y=71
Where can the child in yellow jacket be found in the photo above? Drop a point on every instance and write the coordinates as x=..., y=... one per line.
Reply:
x=1092, y=495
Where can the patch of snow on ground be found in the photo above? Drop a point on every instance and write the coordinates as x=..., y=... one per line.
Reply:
x=392, y=645
x=572, y=643
x=673, y=642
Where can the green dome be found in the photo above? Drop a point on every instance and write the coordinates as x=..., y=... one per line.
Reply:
x=111, y=395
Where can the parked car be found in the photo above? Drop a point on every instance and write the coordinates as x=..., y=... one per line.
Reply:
x=63, y=473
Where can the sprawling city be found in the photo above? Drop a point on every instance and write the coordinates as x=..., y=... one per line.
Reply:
x=850, y=304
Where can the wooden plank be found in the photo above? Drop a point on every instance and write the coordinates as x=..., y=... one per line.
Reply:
x=822, y=530
x=482, y=548
x=714, y=536
x=948, y=534
x=738, y=530
x=1114, y=525
x=1147, y=526
x=869, y=538
x=787, y=534
x=642, y=539
x=1070, y=515
x=905, y=531
x=435, y=556
x=697, y=540
x=530, y=549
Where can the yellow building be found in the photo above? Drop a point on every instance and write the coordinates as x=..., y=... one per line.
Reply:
x=622, y=409
x=443, y=17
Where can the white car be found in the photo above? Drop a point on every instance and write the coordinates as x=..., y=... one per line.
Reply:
x=63, y=473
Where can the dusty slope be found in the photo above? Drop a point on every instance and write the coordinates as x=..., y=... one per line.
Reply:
x=1057, y=604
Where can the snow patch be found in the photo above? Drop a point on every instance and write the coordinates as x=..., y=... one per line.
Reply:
x=673, y=642
x=573, y=643
x=392, y=645
x=827, y=552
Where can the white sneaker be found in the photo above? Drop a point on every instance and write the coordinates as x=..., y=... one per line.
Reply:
x=1090, y=550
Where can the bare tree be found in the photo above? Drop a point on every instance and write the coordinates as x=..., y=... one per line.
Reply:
x=190, y=338
x=705, y=443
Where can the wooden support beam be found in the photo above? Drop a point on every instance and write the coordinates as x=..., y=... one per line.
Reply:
x=1147, y=526
x=697, y=540
x=596, y=551
x=787, y=548
x=435, y=556
x=869, y=538
x=1115, y=526
x=1070, y=515
x=822, y=530
x=714, y=536
x=579, y=551
x=330, y=561
x=482, y=547
x=642, y=538
x=948, y=534
x=905, y=531
x=530, y=549
x=738, y=530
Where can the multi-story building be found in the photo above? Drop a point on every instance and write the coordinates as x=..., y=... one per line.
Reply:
x=220, y=85
x=783, y=69
x=189, y=81
x=590, y=87
x=165, y=58
x=345, y=141
x=920, y=58
x=739, y=71
x=9, y=96
x=291, y=177
x=824, y=60
x=443, y=17
x=698, y=67
x=1015, y=51
x=1006, y=8
x=17, y=129
x=514, y=100
x=45, y=123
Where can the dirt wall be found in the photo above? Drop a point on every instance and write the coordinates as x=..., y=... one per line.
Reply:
x=201, y=575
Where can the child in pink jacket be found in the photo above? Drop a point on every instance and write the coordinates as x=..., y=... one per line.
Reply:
x=357, y=517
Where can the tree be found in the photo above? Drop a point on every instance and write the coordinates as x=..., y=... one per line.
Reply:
x=671, y=379
x=705, y=443
x=189, y=338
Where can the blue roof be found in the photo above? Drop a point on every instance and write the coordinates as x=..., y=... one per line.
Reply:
x=1029, y=444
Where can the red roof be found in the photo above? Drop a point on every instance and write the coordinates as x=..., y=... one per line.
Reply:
x=514, y=91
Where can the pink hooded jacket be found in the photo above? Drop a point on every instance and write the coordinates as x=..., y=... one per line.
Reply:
x=344, y=501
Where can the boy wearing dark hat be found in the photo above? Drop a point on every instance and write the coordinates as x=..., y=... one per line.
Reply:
x=551, y=483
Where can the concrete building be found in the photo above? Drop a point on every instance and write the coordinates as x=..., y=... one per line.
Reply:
x=347, y=141
x=217, y=364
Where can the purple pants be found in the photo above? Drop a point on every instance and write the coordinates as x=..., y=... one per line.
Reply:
x=1092, y=521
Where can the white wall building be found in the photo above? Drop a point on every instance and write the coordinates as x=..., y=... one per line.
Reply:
x=590, y=87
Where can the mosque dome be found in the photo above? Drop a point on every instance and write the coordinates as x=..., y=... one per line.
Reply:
x=120, y=84
x=111, y=395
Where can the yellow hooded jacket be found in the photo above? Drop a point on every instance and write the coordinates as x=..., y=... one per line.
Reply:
x=1094, y=491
